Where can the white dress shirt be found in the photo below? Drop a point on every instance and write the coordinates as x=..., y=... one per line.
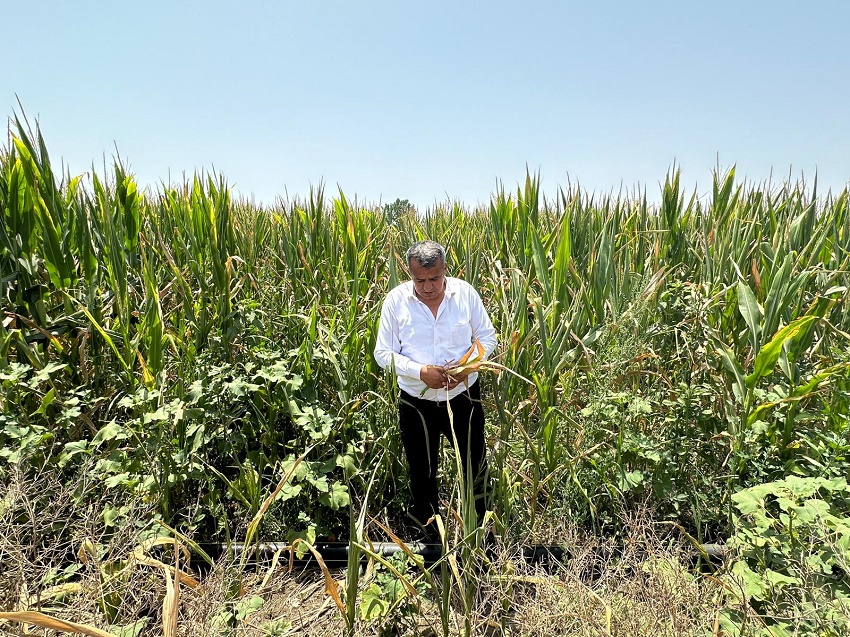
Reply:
x=411, y=337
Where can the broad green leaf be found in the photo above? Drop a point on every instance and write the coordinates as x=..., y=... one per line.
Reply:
x=240, y=388
x=277, y=373
x=628, y=480
x=753, y=583
x=48, y=399
x=15, y=372
x=779, y=580
x=802, y=487
x=159, y=415
x=769, y=354
x=321, y=483
x=336, y=497
x=195, y=393
x=347, y=463
x=130, y=630
x=110, y=431
x=110, y=514
x=747, y=502
x=113, y=481
x=308, y=535
x=288, y=492
x=46, y=372
x=248, y=606
x=810, y=511
x=72, y=449
x=372, y=604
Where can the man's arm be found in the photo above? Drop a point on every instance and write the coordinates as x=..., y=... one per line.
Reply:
x=482, y=327
x=388, y=347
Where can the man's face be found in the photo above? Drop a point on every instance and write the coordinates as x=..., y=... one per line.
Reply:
x=429, y=283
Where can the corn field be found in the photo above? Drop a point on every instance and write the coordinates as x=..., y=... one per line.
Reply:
x=192, y=353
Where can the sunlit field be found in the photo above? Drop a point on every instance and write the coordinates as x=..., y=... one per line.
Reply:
x=181, y=369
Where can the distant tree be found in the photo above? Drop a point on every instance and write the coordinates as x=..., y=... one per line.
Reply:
x=395, y=210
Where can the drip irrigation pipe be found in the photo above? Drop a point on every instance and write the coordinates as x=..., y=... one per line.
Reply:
x=335, y=554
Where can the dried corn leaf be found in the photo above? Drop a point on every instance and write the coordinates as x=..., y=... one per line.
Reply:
x=169, y=605
x=479, y=366
x=185, y=578
x=87, y=551
x=475, y=352
x=254, y=525
x=55, y=593
x=145, y=546
x=331, y=586
x=46, y=621
x=139, y=556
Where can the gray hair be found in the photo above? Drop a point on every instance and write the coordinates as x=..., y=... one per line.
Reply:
x=427, y=253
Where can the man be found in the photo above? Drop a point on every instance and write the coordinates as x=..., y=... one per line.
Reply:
x=426, y=324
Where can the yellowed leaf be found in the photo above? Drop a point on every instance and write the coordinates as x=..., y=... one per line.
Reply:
x=169, y=606
x=55, y=592
x=463, y=359
x=162, y=540
x=185, y=578
x=87, y=551
x=331, y=587
x=254, y=525
x=46, y=621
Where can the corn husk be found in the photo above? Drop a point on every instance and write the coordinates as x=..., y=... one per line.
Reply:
x=474, y=361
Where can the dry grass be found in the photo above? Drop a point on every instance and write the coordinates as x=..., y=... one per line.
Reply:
x=64, y=560
x=646, y=590
x=642, y=589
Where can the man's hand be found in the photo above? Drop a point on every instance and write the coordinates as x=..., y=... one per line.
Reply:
x=457, y=378
x=435, y=377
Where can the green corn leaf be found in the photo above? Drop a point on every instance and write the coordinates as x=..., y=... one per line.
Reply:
x=152, y=328
x=804, y=390
x=778, y=283
x=801, y=392
x=103, y=333
x=564, y=250
x=819, y=308
x=751, y=311
x=541, y=265
x=51, y=239
x=48, y=399
x=769, y=354
x=739, y=386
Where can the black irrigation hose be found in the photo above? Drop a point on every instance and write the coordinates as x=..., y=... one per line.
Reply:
x=335, y=554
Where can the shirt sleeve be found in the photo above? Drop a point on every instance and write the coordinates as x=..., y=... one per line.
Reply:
x=482, y=327
x=388, y=346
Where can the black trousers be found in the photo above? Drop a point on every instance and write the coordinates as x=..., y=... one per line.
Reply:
x=421, y=423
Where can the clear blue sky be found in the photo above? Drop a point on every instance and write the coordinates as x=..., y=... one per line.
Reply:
x=433, y=100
